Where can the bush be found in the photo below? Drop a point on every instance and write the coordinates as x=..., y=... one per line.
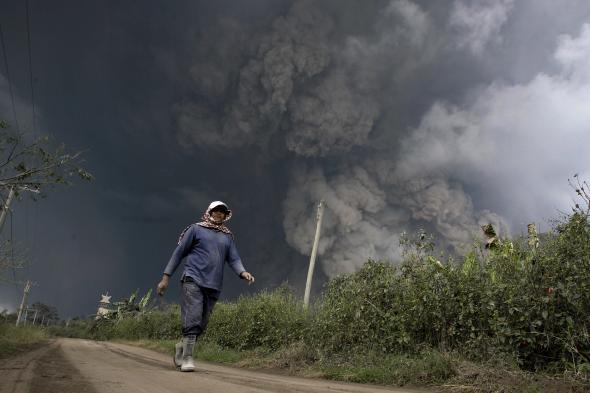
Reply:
x=534, y=304
x=75, y=328
x=269, y=320
x=152, y=324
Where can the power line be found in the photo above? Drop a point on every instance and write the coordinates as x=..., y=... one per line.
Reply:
x=8, y=80
x=29, y=46
x=31, y=67
x=5, y=55
x=34, y=130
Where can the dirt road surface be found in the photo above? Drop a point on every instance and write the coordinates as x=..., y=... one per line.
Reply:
x=70, y=365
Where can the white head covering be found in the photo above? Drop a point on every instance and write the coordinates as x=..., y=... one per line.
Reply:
x=215, y=204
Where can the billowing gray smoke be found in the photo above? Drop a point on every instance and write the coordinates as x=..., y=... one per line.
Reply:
x=401, y=116
x=357, y=210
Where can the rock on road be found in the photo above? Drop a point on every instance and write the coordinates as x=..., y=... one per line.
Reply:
x=72, y=365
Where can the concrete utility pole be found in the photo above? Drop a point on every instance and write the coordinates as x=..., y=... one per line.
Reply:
x=3, y=214
x=9, y=200
x=6, y=207
x=533, y=237
x=24, y=301
x=314, y=252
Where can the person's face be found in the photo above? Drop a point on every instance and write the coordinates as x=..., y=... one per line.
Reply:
x=218, y=215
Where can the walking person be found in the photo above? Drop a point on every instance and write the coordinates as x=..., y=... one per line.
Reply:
x=205, y=246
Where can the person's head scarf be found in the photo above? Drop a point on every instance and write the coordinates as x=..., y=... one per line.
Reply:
x=208, y=222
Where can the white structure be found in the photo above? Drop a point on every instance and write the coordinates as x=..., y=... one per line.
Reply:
x=103, y=306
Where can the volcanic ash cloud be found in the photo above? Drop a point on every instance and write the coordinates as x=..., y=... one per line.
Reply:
x=473, y=149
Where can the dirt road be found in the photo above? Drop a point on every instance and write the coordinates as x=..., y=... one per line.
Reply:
x=70, y=365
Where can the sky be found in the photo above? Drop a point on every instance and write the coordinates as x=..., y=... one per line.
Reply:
x=402, y=115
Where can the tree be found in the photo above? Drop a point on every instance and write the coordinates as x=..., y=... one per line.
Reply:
x=32, y=164
x=583, y=191
x=45, y=312
x=10, y=258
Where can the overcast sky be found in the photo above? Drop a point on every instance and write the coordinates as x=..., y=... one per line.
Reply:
x=400, y=114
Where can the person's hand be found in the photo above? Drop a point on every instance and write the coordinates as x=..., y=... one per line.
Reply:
x=248, y=277
x=162, y=285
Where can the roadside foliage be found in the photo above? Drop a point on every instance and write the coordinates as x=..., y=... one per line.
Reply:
x=528, y=302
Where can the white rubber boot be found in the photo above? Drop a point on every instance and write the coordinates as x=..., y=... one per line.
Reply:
x=188, y=344
x=178, y=349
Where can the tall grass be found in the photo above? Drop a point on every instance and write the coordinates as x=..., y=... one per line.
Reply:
x=14, y=340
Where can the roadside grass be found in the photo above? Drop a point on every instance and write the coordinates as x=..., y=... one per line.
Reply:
x=162, y=346
x=15, y=340
x=447, y=372
x=75, y=329
x=206, y=351
x=425, y=368
x=499, y=376
x=211, y=352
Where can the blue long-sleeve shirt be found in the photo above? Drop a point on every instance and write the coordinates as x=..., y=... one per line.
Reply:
x=205, y=251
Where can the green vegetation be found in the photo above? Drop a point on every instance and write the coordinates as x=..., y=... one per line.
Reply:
x=518, y=313
x=33, y=163
x=15, y=340
x=75, y=328
x=428, y=367
x=205, y=350
x=269, y=320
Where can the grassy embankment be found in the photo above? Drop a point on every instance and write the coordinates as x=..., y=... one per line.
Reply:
x=513, y=318
x=15, y=340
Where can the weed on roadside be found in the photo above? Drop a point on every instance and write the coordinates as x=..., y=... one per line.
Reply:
x=15, y=340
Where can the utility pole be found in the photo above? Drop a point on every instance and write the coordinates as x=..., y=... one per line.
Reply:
x=9, y=200
x=314, y=252
x=24, y=301
x=3, y=214
x=6, y=207
x=35, y=317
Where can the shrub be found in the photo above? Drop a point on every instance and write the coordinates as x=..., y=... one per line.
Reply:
x=153, y=324
x=269, y=319
x=534, y=304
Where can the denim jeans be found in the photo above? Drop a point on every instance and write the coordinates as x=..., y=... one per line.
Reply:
x=197, y=304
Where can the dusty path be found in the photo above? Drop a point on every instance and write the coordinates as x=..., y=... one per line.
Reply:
x=69, y=365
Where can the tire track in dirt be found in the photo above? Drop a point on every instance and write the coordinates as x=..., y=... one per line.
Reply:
x=72, y=366
x=17, y=372
x=53, y=373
